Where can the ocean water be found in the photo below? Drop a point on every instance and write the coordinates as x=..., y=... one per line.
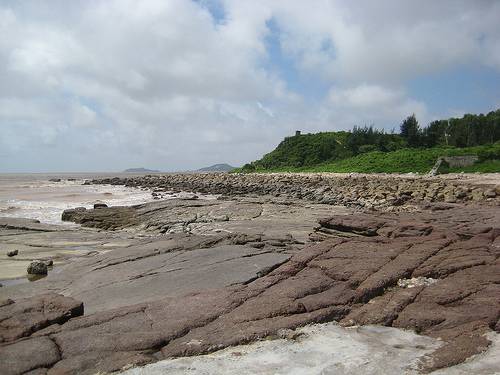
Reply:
x=34, y=196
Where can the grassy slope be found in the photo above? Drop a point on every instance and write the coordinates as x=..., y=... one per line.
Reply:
x=405, y=160
x=305, y=150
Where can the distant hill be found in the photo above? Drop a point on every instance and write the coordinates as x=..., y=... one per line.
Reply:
x=217, y=168
x=140, y=170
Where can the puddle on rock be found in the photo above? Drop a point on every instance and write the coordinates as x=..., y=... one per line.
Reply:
x=22, y=280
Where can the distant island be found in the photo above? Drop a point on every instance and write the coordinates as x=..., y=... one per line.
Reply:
x=217, y=168
x=140, y=170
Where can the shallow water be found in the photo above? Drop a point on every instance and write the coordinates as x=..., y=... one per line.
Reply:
x=34, y=196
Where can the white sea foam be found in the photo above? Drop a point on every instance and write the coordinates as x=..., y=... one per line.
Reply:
x=45, y=201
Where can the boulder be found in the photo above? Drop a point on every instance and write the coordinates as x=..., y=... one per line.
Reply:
x=72, y=214
x=37, y=268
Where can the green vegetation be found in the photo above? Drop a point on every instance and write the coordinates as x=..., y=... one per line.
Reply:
x=368, y=150
x=487, y=166
x=405, y=161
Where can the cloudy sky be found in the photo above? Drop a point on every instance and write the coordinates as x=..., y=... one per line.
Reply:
x=180, y=84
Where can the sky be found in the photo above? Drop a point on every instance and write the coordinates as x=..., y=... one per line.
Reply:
x=181, y=84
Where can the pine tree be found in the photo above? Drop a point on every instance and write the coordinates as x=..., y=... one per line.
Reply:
x=410, y=131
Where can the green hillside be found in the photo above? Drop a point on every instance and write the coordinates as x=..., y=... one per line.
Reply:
x=368, y=150
x=305, y=150
x=405, y=161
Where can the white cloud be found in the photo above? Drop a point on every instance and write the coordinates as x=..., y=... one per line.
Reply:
x=163, y=84
x=372, y=105
x=387, y=41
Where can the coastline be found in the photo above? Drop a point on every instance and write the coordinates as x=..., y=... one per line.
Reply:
x=272, y=252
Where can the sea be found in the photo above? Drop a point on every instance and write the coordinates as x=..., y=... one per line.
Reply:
x=35, y=196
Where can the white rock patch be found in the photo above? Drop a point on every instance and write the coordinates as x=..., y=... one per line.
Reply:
x=416, y=281
x=321, y=349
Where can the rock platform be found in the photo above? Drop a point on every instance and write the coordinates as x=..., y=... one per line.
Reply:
x=202, y=275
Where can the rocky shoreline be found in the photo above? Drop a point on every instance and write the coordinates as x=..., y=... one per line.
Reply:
x=271, y=254
x=367, y=191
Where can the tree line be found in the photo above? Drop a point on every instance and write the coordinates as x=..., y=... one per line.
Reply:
x=312, y=149
x=470, y=130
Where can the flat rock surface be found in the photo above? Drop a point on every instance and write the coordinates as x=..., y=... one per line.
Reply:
x=141, y=261
x=44, y=241
x=201, y=282
x=316, y=349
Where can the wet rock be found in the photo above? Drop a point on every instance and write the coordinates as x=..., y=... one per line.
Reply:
x=12, y=253
x=37, y=268
x=100, y=205
x=73, y=214
x=105, y=218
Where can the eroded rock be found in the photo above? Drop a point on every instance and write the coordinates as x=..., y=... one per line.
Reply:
x=37, y=268
x=26, y=316
x=380, y=272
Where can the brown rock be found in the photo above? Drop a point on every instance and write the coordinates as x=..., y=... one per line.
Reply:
x=26, y=316
x=27, y=355
x=363, y=225
x=351, y=279
x=455, y=351
x=384, y=309
x=94, y=363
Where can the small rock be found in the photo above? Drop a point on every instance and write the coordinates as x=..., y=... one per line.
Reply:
x=100, y=205
x=490, y=193
x=37, y=268
x=55, y=180
x=221, y=218
x=12, y=253
x=257, y=245
x=49, y=262
x=288, y=334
